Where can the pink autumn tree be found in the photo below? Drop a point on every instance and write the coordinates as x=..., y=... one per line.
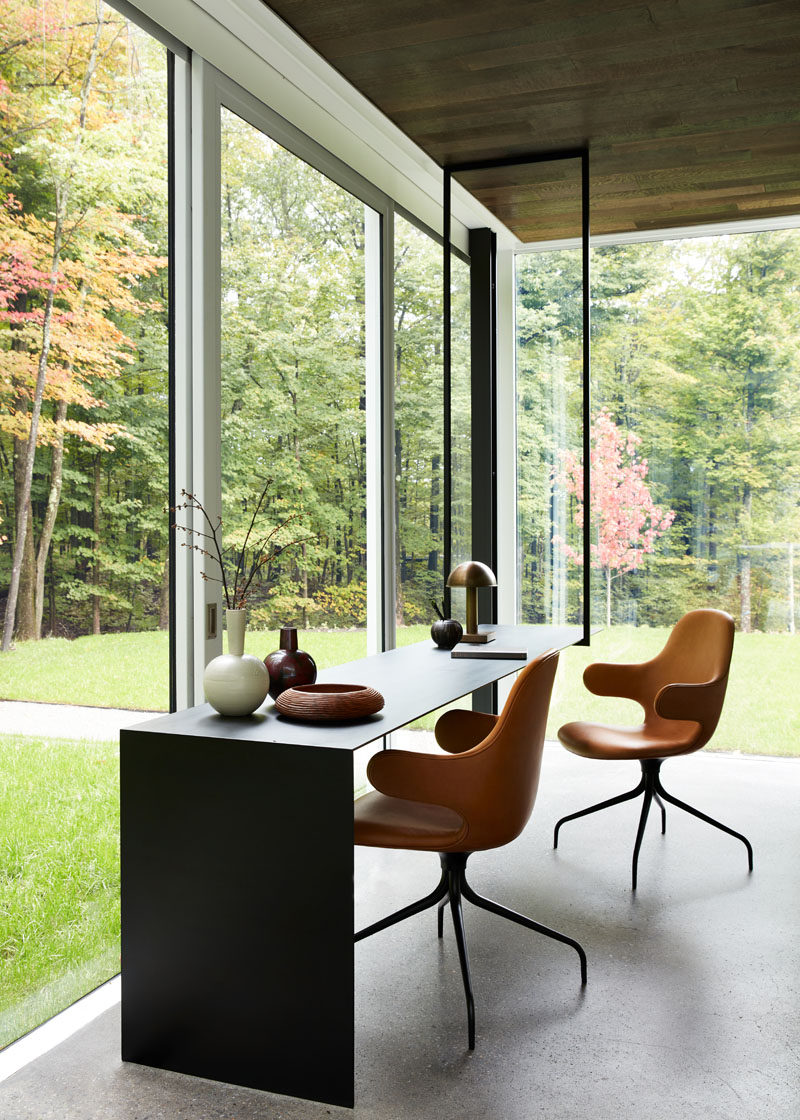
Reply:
x=627, y=521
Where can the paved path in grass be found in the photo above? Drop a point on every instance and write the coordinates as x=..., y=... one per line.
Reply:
x=65, y=721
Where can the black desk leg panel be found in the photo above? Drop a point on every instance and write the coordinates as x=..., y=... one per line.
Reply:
x=237, y=912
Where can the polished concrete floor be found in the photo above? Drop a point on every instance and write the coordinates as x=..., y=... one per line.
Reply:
x=691, y=1009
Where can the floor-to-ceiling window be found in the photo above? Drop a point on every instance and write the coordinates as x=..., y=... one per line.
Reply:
x=549, y=437
x=420, y=426
x=420, y=430
x=695, y=472
x=294, y=388
x=84, y=451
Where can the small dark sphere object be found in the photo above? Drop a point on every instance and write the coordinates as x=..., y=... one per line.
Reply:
x=446, y=632
x=289, y=666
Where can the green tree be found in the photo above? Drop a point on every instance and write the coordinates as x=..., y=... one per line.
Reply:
x=82, y=160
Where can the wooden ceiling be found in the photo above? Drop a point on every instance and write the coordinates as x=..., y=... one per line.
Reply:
x=690, y=108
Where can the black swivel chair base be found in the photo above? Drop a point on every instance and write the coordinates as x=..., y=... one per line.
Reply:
x=652, y=790
x=453, y=886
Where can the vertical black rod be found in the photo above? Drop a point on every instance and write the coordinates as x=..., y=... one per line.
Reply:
x=384, y=373
x=493, y=274
x=587, y=420
x=494, y=705
x=171, y=549
x=447, y=489
x=483, y=430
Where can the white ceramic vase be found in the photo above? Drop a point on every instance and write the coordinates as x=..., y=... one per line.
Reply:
x=235, y=683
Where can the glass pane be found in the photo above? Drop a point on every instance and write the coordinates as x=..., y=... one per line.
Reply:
x=549, y=324
x=419, y=434
x=294, y=391
x=83, y=219
x=696, y=469
x=419, y=428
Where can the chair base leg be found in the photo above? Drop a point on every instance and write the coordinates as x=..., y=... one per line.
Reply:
x=457, y=883
x=596, y=808
x=648, y=797
x=440, y=892
x=452, y=887
x=651, y=789
x=662, y=807
x=709, y=820
x=440, y=917
x=512, y=916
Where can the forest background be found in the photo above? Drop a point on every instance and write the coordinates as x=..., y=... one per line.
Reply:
x=695, y=358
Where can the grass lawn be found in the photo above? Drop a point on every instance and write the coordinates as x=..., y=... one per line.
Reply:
x=59, y=876
x=761, y=715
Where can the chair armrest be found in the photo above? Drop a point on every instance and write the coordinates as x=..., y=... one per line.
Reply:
x=461, y=729
x=700, y=703
x=414, y=777
x=610, y=679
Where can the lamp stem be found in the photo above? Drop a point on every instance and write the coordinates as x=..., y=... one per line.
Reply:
x=472, y=610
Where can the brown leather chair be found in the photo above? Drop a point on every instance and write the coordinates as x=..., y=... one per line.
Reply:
x=681, y=690
x=479, y=795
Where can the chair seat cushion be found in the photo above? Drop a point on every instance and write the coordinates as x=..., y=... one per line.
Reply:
x=599, y=740
x=393, y=822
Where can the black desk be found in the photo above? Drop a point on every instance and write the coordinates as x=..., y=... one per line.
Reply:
x=237, y=876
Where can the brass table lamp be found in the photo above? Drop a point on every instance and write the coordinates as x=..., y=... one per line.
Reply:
x=472, y=575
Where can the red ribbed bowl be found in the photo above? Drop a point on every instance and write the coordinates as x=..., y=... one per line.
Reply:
x=329, y=701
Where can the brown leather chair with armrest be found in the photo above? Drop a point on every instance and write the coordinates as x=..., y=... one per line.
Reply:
x=479, y=795
x=681, y=690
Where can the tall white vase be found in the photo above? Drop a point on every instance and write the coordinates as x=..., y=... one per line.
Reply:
x=235, y=683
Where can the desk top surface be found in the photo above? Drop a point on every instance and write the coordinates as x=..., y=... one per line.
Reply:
x=413, y=680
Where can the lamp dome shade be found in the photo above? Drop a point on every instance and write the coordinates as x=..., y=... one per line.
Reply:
x=472, y=574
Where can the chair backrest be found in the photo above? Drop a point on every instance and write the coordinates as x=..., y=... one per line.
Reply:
x=698, y=652
x=499, y=777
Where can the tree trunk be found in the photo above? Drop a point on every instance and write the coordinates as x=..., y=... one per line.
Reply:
x=608, y=597
x=163, y=598
x=745, y=598
x=48, y=525
x=433, y=514
x=26, y=616
x=56, y=483
x=745, y=622
x=25, y=612
x=96, y=545
x=51, y=629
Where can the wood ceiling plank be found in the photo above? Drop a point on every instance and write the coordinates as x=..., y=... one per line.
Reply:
x=777, y=202
x=340, y=31
x=496, y=46
x=565, y=84
x=744, y=136
x=738, y=51
x=690, y=109
x=603, y=105
x=607, y=191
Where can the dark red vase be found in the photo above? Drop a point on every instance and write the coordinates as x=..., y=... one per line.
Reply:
x=289, y=666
